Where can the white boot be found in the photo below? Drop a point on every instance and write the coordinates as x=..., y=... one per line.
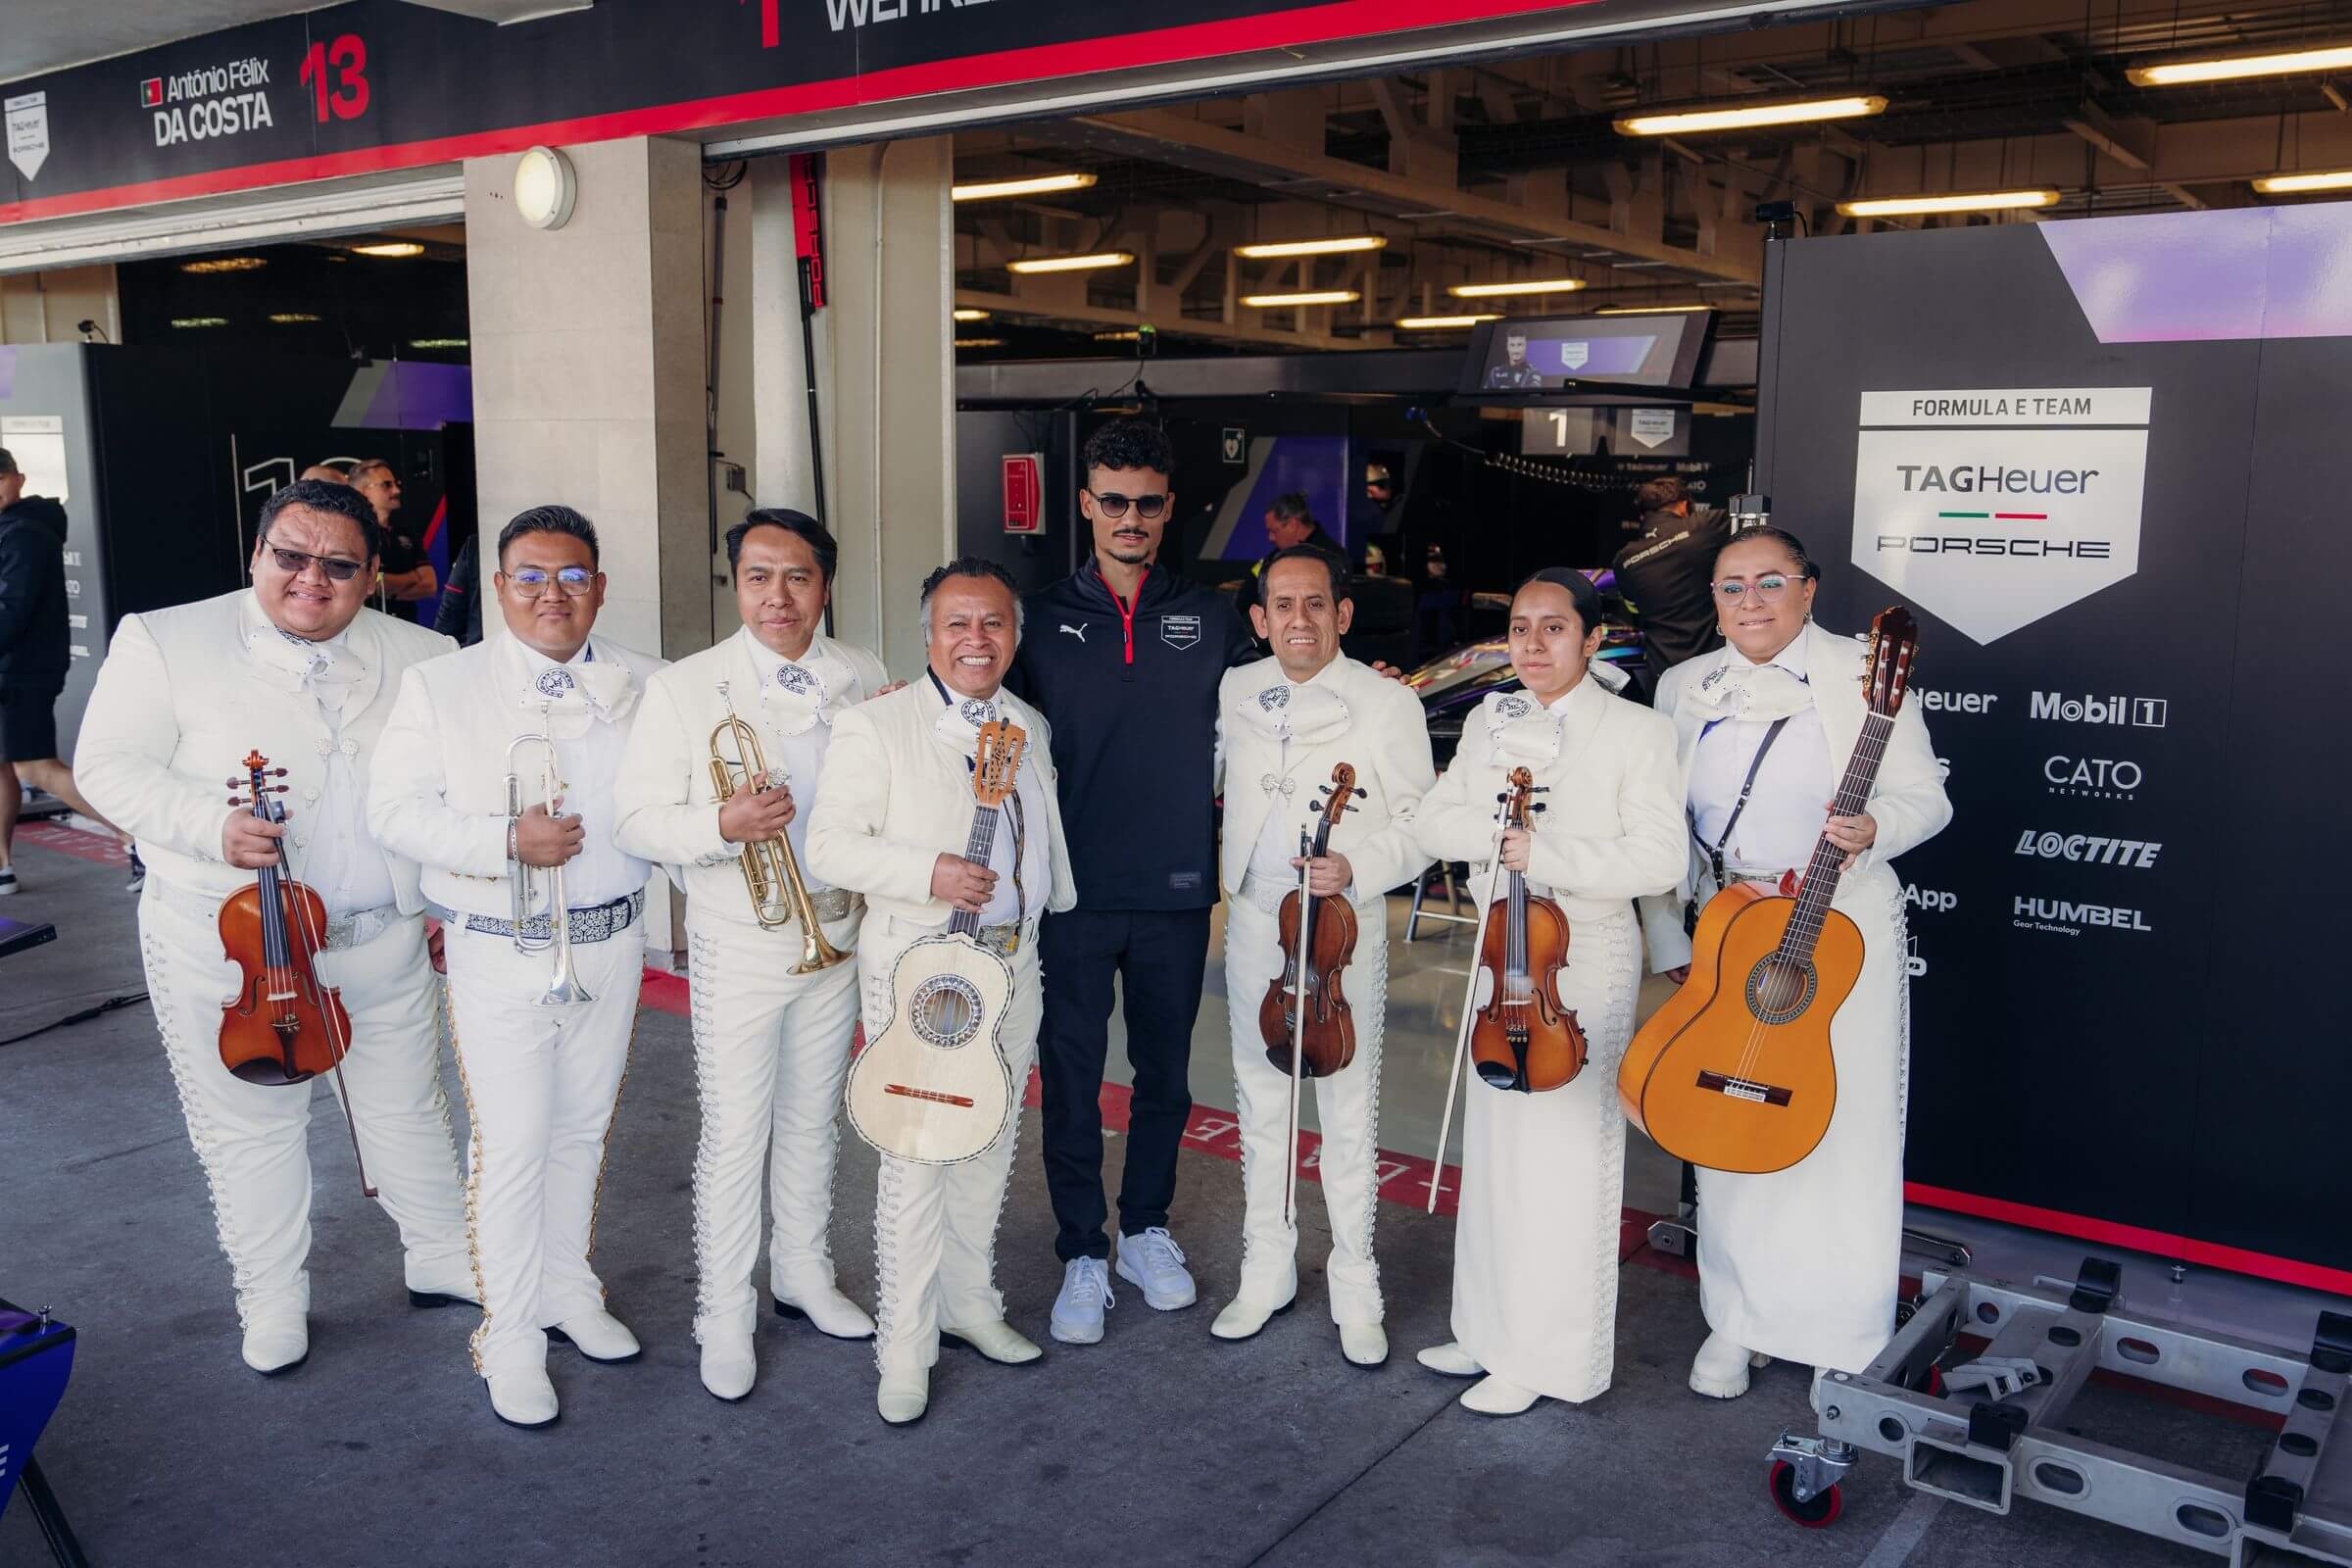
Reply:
x=599, y=1336
x=1244, y=1317
x=1000, y=1341
x=1720, y=1371
x=905, y=1394
x=274, y=1345
x=1449, y=1360
x=729, y=1366
x=522, y=1398
x=1364, y=1344
x=1492, y=1396
x=826, y=1310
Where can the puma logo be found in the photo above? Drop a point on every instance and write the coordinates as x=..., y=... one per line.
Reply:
x=1078, y=632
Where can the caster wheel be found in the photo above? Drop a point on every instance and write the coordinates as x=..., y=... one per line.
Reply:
x=1817, y=1514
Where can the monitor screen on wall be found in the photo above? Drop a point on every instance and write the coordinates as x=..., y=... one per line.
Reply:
x=1551, y=354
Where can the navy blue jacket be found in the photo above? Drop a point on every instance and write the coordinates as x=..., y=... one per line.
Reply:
x=1132, y=694
x=33, y=652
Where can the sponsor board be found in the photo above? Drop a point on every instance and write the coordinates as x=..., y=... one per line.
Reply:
x=2140, y=712
x=1932, y=899
x=2093, y=778
x=1936, y=702
x=2065, y=917
x=2088, y=849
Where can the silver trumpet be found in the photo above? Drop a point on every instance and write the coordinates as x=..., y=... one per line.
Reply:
x=529, y=883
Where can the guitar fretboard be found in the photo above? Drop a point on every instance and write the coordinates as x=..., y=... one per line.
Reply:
x=1829, y=862
x=977, y=849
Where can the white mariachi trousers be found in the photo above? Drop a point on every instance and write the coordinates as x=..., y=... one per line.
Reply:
x=541, y=1084
x=934, y=1226
x=772, y=1050
x=252, y=1139
x=1346, y=1109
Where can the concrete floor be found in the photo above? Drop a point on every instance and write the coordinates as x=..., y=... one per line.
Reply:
x=1159, y=1446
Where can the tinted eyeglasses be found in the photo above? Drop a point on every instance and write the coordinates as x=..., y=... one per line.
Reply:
x=1114, y=504
x=531, y=581
x=337, y=569
x=1769, y=589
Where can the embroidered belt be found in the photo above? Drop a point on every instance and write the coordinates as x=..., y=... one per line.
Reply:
x=1003, y=940
x=343, y=931
x=832, y=904
x=597, y=923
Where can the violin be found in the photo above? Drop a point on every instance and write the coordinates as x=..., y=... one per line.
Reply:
x=282, y=1027
x=1308, y=1022
x=1523, y=1038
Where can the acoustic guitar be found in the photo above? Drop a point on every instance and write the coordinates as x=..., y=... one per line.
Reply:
x=1735, y=1072
x=933, y=1087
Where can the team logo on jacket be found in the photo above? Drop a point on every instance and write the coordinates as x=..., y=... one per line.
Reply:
x=977, y=712
x=553, y=683
x=1180, y=631
x=1273, y=697
x=1515, y=707
x=798, y=679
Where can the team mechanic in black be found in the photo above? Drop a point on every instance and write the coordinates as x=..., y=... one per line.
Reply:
x=1123, y=658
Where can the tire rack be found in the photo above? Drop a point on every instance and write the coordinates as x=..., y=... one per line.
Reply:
x=1987, y=1451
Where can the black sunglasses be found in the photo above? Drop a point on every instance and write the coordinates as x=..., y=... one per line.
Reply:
x=1114, y=504
x=292, y=562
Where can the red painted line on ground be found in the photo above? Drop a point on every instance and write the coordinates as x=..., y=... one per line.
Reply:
x=93, y=847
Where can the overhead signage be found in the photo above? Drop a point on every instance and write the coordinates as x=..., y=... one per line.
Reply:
x=1995, y=507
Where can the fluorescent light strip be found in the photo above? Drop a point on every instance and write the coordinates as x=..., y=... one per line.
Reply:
x=1687, y=122
x=1650, y=310
x=979, y=342
x=224, y=264
x=2287, y=184
x=391, y=248
x=1982, y=201
x=1071, y=264
x=1433, y=323
x=1313, y=296
x=2181, y=72
x=292, y=318
x=969, y=315
x=1312, y=247
x=199, y=321
x=1538, y=285
x=1039, y=185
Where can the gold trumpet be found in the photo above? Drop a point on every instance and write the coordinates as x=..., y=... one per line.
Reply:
x=771, y=874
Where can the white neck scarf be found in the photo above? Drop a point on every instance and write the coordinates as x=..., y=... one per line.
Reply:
x=1304, y=715
x=958, y=727
x=800, y=693
x=327, y=670
x=1757, y=693
x=573, y=696
x=1524, y=732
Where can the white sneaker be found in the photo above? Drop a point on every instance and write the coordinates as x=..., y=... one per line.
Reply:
x=7, y=881
x=1155, y=1262
x=1085, y=1296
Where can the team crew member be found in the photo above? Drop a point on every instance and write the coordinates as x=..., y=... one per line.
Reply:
x=1800, y=1264
x=892, y=818
x=541, y=1067
x=299, y=670
x=1287, y=720
x=771, y=1048
x=1535, y=1252
x=408, y=574
x=1123, y=658
x=1664, y=576
x=1289, y=524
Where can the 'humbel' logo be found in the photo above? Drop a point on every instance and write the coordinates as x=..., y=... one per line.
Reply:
x=553, y=685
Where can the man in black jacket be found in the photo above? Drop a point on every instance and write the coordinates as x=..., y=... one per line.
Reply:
x=1666, y=577
x=33, y=657
x=1123, y=658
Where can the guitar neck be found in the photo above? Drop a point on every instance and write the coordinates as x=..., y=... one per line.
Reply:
x=1819, y=885
x=977, y=849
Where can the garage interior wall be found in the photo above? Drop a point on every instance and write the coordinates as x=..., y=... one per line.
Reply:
x=44, y=306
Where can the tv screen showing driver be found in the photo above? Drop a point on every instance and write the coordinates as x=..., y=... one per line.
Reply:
x=1550, y=355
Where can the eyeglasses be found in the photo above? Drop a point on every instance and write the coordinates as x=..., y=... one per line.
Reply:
x=1114, y=504
x=1769, y=589
x=292, y=563
x=531, y=581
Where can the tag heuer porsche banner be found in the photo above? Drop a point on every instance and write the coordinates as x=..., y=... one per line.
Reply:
x=380, y=85
x=2101, y=460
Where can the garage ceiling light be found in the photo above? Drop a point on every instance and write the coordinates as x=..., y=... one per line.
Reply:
x=991, y=190
x=1431, y=323
x=292, y=318
x=1131, y=335
x=199, y=321
x=437, y=342
x=1650, y=310
x=1536, y=285
x=969, y=315
x=979, y=342
x=1312, y=247
x=2180, y=73
x=1071, y=264
x=1980, y=200
x=2287, y=184
x=1313, y=296
x=1747, y=116
x=224, y=264
x=393, y=248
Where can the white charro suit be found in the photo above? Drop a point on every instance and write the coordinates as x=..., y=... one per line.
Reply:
x=1271, y=785
x=541, y=1081
x=770, y=1047
x=1802, y=1263
x=895, y=798
x=183, y=696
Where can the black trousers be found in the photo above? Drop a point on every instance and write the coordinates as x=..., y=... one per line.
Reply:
x=1160, y=957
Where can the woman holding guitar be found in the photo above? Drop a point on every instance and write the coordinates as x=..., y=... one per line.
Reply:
x=1800, y=1264
x=1534, y=1255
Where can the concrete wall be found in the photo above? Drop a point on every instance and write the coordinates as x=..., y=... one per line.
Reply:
x=42, y=307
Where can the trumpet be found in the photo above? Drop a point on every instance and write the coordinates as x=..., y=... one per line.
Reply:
x=771, y=874
x=563, y=987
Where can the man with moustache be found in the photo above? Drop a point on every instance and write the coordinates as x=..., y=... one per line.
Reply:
x=298, y=669
x=1123, y=657
x=892, y=819
x=542, y=1036
x=771, y=1048
x=1287, y=721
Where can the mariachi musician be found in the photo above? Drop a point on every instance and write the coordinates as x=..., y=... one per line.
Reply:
x=774, y=1002
x=1801, y=1263
x=498, y=779
x=889, y=820
x=1535, y=1252
x=1284, y=722
x=296, y=668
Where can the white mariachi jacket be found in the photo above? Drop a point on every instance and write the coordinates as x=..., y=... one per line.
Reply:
x=895, y=798
x=1906, y=800
x=1383, y=734
x=668, y=803
x=180, y=700
x=439, y=792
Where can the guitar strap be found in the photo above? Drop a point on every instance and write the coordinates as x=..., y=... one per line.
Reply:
x=1714, y=851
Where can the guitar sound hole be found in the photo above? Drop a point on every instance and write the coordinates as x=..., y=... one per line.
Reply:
x=1779, y=989
x=944, y=1010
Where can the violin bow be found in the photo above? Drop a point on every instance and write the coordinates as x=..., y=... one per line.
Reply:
x=1306, y=918
x=1462, y=1037
x=317, y=941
